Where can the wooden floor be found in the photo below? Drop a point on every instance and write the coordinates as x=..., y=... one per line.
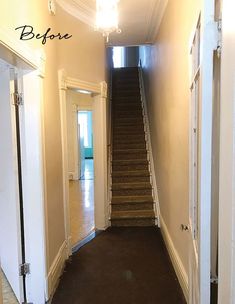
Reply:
x=8, y=294
x=81, y=202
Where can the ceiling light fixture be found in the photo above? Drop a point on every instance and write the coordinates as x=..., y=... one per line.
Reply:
x=107, y=17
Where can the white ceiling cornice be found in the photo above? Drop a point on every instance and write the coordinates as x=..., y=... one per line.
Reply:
x=79, y=9
x=84, y=10
x=156, y=19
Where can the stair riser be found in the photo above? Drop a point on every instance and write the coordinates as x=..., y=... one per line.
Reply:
x=128, y=131
x=128, y=95
x=128, y=108
x=126, y=152
x=126, y=100
x=134, y=114
x=141, y=145
x=127, y=122
x=132, y=192
x=131, y=121
x=133, y=223
x=130, y=156
x=130, y=174
x=122, y=88
x=129, y=167
x=133, y=179
x=119, y=116
x=127, y=103
x=132, y=186
x=132, y=199
x=132, y=206
x=127, y=112
x=132, y=86
x=124, y=125
x=128, y=138
x=130, y=142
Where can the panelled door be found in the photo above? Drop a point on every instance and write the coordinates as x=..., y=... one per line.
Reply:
x=203, y=47
x=11, y=197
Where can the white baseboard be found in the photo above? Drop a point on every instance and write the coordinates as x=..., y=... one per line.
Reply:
x=56, y=271
x=175, y=259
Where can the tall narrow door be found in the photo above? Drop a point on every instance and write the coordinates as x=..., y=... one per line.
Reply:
x=11, y=229
x=202, y=52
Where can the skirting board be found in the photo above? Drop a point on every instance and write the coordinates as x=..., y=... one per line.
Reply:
x=56, y=271
x=175, y=259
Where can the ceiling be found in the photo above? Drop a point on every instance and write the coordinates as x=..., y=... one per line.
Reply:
x=139, y=20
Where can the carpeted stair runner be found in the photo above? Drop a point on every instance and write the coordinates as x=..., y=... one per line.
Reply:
x=132, y=202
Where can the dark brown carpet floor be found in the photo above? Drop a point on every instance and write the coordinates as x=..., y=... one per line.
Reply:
x=121, y=266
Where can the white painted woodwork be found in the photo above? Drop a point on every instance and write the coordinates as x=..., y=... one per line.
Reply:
x=227, y=159
x=100, y=149
x=32, y=62
x=34, y=211
x=149, y=146
x=199, y=276
x=10, y=238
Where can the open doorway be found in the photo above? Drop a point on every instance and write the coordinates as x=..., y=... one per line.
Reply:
x=81, y=165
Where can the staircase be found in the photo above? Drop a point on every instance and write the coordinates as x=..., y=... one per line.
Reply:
x=132, y=201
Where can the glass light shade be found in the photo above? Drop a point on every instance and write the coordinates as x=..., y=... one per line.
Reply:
x=106, y=16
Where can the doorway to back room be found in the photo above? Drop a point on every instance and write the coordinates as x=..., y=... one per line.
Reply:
x=81, y=165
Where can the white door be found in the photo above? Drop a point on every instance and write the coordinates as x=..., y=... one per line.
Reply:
x=10, y=225
x=203, y=45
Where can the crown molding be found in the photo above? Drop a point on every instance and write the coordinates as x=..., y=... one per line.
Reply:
x=78, y=9
x=156, y=19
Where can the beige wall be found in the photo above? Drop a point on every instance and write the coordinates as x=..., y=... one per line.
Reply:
x=83, y=56
x=166, y=64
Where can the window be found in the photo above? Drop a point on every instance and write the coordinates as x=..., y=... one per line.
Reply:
x=85, y=122
x=118, y=57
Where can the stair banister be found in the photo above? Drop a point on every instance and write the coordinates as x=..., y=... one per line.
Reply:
x=148, y=144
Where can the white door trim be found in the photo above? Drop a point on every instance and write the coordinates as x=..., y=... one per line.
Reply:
x=208, y=45
x=99, y=90
x=226, y=288
x=32, y=61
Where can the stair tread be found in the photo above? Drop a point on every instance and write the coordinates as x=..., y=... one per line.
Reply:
x=131, y=185
x=132, y=199
x=132, y=214
x=131, y=173
x=130, y=161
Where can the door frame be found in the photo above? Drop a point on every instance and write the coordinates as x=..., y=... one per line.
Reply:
x=208, y=46
x=31, y=61
x=226, y=288
x=99, y=92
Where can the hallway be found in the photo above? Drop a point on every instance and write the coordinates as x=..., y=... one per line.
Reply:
x=112, y=270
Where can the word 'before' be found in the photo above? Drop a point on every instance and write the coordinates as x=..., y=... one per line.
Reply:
x=27, y=33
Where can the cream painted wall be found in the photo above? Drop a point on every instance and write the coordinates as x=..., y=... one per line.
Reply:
x=83, y=56
x=166, y=70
